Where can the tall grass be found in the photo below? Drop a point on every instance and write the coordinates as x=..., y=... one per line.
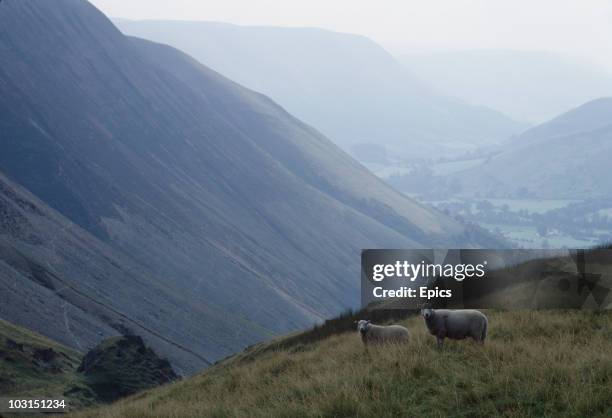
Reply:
x=343, y=323
x=535, y=363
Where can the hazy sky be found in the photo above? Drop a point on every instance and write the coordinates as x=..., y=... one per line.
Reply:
x=581, y=28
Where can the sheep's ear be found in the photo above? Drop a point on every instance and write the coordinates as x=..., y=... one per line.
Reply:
x=369, y=322
x=355, y=322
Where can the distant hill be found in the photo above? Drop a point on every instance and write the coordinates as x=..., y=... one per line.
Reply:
x=143, y=193
x=567, y=157
x=345, y=85
x=531, y=86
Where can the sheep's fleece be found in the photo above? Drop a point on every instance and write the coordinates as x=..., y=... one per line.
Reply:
x=377, y=334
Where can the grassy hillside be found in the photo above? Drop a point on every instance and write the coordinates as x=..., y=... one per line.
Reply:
x=34, y=366
x=535, y=363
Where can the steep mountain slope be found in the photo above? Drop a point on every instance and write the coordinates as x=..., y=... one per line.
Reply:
x=63, y=282
x=567, y=157
x=345, y=85
x=153, y=196
x=527, y=85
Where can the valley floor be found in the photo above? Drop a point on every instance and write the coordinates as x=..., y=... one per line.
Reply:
x=535, y=363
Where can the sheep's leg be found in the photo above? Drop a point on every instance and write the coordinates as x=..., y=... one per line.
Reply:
x=480, y=335
x=440, y=342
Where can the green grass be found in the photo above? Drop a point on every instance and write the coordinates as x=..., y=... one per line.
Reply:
x=25, y=371
x=535, y=363
x=32, y=366
x=121, y=366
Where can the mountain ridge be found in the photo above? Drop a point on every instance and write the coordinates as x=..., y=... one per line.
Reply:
x=201, y=214
x=507, y=79
x=330, y=79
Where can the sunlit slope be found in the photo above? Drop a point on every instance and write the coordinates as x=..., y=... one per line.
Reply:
x=535, y=363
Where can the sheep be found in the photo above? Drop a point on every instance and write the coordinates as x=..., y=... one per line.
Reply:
x=379, y=334
x=455, y=324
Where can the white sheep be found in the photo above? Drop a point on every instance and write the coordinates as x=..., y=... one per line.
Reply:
x=455, y=324
x=379, y=334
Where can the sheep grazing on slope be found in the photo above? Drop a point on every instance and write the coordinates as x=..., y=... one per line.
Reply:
x=456, y=325
x=379, y=334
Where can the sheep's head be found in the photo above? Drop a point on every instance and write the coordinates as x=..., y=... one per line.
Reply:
x=427, y=312
x=362, y=326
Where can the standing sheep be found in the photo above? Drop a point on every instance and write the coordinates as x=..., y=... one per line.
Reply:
x=379, y=334
x=456, y=325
